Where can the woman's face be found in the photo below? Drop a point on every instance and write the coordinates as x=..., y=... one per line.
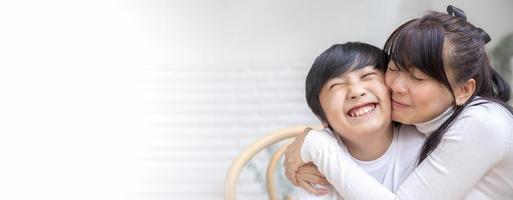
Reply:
x=416, y=97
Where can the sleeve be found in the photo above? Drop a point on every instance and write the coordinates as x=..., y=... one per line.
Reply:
x=449, y=172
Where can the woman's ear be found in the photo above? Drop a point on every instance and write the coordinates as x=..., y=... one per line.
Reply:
x=464, y=91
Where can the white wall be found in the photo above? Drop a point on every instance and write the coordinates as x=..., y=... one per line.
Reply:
x=153, y=99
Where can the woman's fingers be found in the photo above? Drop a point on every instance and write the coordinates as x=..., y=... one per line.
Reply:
x=310, y=168
x=312, y=179
x=308, y=187
x=307, y=129
x=293, y=159
x=290, y=165
x=290, y=173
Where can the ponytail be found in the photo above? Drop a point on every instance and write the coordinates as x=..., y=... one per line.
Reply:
x=502, y=89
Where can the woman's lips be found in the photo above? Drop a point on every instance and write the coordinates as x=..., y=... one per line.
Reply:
x=398, y=105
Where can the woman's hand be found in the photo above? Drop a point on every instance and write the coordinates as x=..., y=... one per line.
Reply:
x=301, y=174
x=293, y=158
x=308, y=175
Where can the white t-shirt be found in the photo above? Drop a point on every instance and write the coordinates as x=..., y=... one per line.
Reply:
x=391, y=169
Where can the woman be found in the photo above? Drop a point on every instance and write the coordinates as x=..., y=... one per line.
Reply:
x=441, y=81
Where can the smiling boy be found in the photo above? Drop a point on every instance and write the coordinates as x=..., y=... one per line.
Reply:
x=345, y=89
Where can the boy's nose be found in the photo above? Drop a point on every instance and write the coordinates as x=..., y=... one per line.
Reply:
x=356, y=92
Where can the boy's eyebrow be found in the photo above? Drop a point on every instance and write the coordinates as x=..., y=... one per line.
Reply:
x=341, y=78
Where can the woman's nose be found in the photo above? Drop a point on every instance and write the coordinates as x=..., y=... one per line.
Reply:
x=398, y=84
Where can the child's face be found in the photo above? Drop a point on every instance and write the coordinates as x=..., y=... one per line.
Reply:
x=357, y=103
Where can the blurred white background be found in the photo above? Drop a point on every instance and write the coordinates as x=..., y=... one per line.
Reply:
x=154, y=99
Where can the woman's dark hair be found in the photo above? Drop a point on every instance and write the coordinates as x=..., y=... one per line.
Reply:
x=438, y=41
x=335, y=61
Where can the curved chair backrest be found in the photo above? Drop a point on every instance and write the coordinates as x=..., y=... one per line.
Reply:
x=248, y=153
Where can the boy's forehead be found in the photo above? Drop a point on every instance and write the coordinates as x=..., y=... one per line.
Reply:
x=356, y=70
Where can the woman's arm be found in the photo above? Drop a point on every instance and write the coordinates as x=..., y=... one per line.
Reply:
x=449, y=172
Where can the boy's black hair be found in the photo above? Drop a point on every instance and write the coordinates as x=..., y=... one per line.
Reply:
x=335, y=61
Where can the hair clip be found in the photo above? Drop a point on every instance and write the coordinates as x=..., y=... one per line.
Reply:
x=452, y=10
x=484, y=35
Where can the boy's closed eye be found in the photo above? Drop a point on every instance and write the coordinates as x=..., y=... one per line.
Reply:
x=369, y=76
x=337, y=84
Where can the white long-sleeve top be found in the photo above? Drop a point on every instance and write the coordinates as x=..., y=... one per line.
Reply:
x=474, y=160
x=390, y=169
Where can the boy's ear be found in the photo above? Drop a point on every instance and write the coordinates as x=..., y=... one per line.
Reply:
x=464, y=91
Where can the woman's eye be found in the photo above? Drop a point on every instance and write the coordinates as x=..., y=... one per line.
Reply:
x=415, y=78
x=392, y=69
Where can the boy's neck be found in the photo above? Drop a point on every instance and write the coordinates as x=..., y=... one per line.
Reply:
x=372, y=146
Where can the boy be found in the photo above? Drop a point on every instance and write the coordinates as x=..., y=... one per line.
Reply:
x=345, y=89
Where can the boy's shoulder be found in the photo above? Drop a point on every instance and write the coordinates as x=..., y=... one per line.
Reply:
x=325, y=134
x=323, y=131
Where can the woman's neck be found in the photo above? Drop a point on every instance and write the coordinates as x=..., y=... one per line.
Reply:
x=430, y=126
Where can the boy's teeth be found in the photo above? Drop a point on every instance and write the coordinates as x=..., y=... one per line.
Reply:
x=362, y=111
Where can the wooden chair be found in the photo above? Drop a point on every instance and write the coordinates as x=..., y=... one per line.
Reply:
x=248, y=153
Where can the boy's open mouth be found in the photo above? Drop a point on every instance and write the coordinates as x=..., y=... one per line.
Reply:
x=362, y=110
